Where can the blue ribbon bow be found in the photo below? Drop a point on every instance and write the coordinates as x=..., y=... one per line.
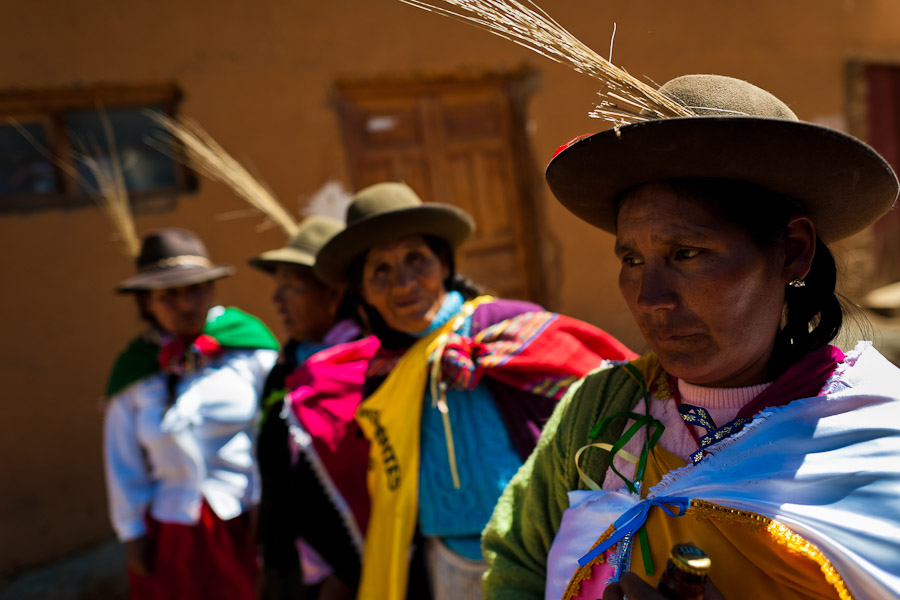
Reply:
x=634, y=518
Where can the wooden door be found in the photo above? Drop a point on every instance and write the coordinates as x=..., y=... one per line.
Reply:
x=883, y=121
x=461, y=143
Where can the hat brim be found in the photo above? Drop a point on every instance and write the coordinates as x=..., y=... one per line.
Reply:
x=269, y=261
x=172, y=277
x=440, y=220
x=842, y=183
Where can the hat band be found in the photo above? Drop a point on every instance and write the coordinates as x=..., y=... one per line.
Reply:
x=185, y=260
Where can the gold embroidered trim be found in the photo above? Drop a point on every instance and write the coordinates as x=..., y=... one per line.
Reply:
x=661, y=387
x=584, y=573
x=701, y=509
x=796, y=543
x=757, y=523
x=779, y=532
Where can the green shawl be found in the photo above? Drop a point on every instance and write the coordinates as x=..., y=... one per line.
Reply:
x=232, y=328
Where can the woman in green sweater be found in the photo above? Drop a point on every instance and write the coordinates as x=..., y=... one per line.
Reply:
x=743, y=431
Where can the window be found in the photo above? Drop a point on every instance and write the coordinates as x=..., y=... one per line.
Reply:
x=43, y=132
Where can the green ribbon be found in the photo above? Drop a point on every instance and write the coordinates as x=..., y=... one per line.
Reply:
x=654, y=432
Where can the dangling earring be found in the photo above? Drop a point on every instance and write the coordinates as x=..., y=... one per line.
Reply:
x=797, y=283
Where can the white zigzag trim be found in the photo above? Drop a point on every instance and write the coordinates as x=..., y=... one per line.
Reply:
x=302, y=438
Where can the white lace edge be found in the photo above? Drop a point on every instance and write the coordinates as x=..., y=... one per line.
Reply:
x=304, y=440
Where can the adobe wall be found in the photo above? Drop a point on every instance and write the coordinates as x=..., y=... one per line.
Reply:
x=258, y=76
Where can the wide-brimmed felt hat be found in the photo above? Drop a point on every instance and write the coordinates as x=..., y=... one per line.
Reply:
x=386, y=212
x=742, y=132
x=172, y=258
x=312, y=233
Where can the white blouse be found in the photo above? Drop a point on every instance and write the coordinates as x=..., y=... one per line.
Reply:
x=201, y=448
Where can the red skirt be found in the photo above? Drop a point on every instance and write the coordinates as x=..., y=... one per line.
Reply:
x=213, y=559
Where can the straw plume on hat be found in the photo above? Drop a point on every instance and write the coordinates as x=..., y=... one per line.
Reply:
x=698, y=126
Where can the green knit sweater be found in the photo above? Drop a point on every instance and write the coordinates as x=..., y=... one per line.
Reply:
x=518, y=537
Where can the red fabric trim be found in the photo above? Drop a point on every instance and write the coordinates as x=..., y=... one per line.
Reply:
x=805, y=379
x=213, y=559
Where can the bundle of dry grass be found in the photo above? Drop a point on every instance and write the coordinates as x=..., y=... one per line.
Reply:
x=108, y=189
x=111, y=193
x=206, y=156
x=624, y=100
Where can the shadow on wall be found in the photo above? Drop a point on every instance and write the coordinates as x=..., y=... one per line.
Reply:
x=95, y=574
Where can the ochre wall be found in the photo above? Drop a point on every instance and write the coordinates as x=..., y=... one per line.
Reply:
x=258, y=75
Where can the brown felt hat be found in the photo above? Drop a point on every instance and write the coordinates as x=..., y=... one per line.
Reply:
x=386, y=212
x=314, y=231
x=172, y=258
x=742, y=132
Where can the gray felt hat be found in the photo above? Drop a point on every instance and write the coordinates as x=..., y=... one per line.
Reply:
x=742, y=132
x=172, y=258
x=383, y=213
x=312, y=233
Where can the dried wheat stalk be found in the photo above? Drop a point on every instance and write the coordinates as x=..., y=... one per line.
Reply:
x=624, y=100
x=209, y=158
x=110, y=193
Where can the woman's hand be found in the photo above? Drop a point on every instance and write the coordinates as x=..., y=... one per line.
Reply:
x=635, y=588
x=137, y=556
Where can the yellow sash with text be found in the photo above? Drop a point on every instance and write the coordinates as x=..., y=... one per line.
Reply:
x=390, y=419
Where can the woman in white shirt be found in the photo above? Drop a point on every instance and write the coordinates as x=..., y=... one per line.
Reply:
x=180, y=429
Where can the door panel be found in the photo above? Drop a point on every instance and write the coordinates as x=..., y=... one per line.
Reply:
x=452, y=142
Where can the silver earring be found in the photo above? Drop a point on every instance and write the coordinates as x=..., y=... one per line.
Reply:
x=797, y=283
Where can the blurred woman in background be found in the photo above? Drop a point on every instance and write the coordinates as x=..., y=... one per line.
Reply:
x=455, y=396
x=180, y=429
x=311, y=455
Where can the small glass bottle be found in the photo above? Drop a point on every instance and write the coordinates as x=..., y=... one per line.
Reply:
x=686, y=572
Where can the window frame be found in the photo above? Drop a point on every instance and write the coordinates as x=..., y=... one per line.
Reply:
x=50, y=106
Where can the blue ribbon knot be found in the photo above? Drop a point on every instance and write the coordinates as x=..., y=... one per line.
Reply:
x=634, y=518
x=695, y=415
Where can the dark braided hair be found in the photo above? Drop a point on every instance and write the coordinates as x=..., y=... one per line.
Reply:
x=454, y=282
x=812, y=315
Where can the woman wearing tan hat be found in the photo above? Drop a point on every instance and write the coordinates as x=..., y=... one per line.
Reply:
x=743, y=431
x=179, y=429
x=313, y=478
x=455, y=396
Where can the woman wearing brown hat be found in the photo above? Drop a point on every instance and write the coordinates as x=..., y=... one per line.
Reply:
x=179, y=429
x=455, y=396
x=313, y=478
x=743, y=431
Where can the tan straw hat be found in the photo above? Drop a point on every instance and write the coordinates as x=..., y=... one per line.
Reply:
x=172, y=258
x=387, y=212
x=741, y=132
x=313, y=232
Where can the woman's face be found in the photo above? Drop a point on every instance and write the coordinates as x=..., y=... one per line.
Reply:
x=307, y=308
x=404, y=282
x=706, y=297
x=181, y=311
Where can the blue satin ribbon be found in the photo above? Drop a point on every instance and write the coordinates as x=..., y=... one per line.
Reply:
x=633, y=519
x=695, y=415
